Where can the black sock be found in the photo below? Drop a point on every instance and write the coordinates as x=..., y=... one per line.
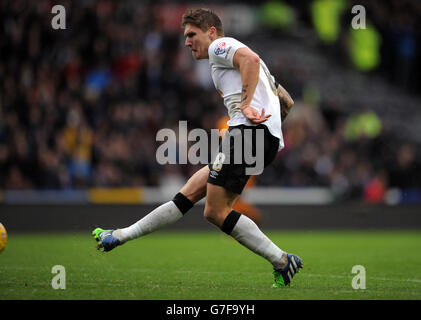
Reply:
x=230, y=221
x=182, y=202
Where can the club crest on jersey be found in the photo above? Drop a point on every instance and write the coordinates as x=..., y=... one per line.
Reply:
x=220, y=49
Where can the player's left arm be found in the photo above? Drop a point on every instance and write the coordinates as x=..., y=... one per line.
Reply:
x=285, y=99
x=248, y=63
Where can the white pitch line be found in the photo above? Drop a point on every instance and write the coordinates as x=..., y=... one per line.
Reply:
x=76, y=285
x=302, y=273
x=350, y=277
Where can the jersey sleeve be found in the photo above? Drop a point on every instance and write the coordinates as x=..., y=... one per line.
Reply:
x=221, y=52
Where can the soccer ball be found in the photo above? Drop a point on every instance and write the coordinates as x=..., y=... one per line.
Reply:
x=3, y=237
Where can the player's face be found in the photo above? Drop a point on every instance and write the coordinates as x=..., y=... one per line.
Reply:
x=198, y=41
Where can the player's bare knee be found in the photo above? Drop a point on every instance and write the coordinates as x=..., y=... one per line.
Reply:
x=208, y=214
x=212, y=216
x=216, y=215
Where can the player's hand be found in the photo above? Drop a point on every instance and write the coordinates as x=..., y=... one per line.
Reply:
x=253, y=115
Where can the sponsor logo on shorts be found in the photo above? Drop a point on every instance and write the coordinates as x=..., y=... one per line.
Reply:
x=213, y=174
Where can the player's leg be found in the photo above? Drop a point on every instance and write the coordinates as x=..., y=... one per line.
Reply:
x=226, y=181
x=166, y=214
x=218, y=205
x=171, y=211
x=218, y=210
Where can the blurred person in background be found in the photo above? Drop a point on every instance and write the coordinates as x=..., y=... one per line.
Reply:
x=119, y=71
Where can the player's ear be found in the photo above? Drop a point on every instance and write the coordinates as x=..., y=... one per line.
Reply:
x=212, y=32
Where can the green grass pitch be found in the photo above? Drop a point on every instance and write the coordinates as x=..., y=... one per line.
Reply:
x=211, y=265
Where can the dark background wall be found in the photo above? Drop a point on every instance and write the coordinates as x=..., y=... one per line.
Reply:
x=28, y=218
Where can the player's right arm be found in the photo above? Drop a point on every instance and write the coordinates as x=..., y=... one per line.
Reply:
x=248, y=63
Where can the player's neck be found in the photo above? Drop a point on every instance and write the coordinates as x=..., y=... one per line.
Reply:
x=213, y=38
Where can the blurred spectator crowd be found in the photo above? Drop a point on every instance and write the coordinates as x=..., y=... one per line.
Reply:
x=81, y=107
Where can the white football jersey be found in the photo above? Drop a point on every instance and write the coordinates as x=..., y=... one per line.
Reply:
x=227, y=80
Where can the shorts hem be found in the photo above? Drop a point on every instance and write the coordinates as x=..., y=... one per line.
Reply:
x=221, y=184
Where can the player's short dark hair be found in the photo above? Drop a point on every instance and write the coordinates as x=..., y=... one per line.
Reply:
x=203, y=19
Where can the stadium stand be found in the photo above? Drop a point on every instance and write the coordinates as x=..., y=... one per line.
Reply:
x=80, y=108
